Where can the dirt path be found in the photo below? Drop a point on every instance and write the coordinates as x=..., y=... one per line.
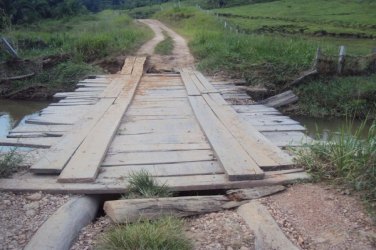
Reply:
x=181, y=56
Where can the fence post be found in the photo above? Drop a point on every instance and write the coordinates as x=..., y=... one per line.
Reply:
x=317, y=58
x=341, y=59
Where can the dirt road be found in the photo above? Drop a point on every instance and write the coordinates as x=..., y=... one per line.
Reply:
x=181, y=56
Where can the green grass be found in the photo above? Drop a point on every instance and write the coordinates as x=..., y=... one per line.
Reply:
x=9, y=163
x=166, y=46
x=348, y=158
x=339, y=96
x=85, y=39
x=163, y=234
x=274, y=58
x=142, y=184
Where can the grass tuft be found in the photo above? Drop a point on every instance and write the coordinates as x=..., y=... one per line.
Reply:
x=9, y=163
x=345, y=159
x=142, y=184
x=166, y=233
x=166, y=46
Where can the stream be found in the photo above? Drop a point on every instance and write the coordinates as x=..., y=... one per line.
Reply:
x=14, y=112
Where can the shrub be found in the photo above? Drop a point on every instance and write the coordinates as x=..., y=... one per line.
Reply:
x=9, y=163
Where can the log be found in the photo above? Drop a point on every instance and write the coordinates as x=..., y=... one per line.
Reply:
x=267, y=232
x=280, y=100
x=128, y=211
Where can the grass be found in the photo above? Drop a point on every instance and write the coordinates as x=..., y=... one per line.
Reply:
x=142, y=184
x=277, y=42
x=166, y=46
x=338, y=96
x=164, y=234
x=347, y=158
x=83, y=40
x=9, y=163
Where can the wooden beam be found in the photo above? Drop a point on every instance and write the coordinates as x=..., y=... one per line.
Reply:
x=85, y=163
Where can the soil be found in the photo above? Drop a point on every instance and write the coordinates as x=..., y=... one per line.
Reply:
x=181, y=56
x=318, y=216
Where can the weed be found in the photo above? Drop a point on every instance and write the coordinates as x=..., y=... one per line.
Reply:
x=142, y=184
x=163, y=234
x=166, y=46
x=9, y=163
x=346, y=159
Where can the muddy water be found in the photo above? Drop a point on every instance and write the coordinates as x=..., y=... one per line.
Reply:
x=322, y=128
x=15, y=112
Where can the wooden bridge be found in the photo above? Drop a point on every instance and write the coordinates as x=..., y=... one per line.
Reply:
x=178, y=127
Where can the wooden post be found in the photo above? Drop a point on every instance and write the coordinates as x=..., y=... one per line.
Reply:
x=9, y=48
x=341, y=59
x=317, y=58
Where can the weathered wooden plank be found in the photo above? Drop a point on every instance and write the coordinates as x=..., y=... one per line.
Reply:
x=261, y=150
x=184, y=183
x=284, y=139
x=209, y=88
x=236, y=162
x=128, y=65
x=157, y=157
x=270, y=128
x=160, y=170
x=189, y=85
x=182, y=110
x=158, y=138
x=29, y=142
x=33, y=135
x=84, y=164
x=58, y=156
x=114, y=148
x=28, y=128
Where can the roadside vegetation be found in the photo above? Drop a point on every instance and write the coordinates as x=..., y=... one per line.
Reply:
x=164, y=233
x=277, y=41
x=347, y=158
x=9, y=163
x=62, y=51
x=166, y=46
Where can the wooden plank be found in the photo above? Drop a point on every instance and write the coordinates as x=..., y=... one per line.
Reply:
x=189, y=85
x=33, y=135
x=26, y=128
x=236, y=162
x=201, y=88
x=141, y=147
x=182, y=110
x=84, y=165
x=58, y=156
x=184, y=183
x=270, y=128
x=159, y=170
x=260, y=149
x=209, y=88
x=29, y=142
x=157, y=157
x=285, y=139
x=165, y=138
x=128, y=65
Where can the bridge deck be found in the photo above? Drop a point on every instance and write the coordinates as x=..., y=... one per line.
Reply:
x=178, y=127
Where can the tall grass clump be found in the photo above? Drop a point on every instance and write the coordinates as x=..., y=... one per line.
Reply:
x=9, y=163
x=142, y=184
x=347, y=158
x=163, y=234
